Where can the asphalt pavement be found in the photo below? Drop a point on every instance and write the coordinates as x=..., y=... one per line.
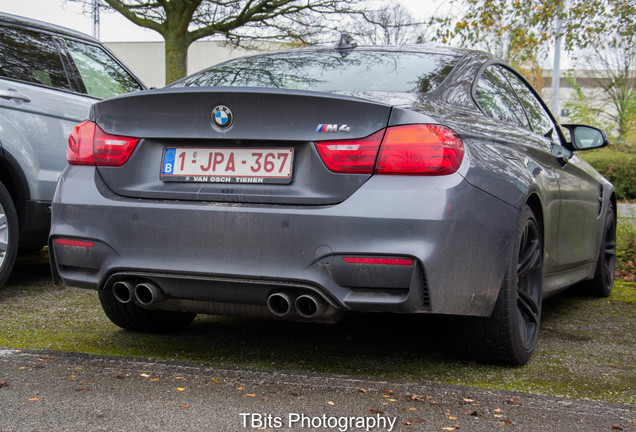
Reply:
x=626, y=210
x=55, y=391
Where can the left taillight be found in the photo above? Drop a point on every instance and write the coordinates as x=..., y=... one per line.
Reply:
x=88, y=144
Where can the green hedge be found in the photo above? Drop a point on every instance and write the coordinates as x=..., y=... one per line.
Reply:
x=617, y=167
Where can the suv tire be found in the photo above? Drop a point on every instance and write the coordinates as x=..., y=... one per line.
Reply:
x=8, y=234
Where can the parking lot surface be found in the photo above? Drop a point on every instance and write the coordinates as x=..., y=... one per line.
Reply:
x=54, y=391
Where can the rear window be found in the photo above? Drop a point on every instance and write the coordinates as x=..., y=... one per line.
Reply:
x=331, y=71
x=102, y=76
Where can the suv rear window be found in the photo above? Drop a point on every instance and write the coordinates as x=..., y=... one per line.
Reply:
x=331, y=71
x=32, y=57
x=101, y=75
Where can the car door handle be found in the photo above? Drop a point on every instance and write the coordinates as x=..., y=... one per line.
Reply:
x=14, y=95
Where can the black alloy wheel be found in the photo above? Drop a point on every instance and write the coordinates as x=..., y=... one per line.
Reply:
x=528, y=285
x=603, y=281
x=510, y=334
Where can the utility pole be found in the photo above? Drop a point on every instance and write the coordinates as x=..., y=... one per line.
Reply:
x=556, y=67
x=95, y=14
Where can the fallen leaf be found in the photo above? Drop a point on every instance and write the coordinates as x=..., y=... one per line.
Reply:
x=472, y=413
x=45, y=358
x=330, y=403
x=78, y=368
x=449, y=428
x=416, y=420
x=184, y=406
x=513, y=401
x=3, y=384
x=155, y=379
x=34, y=400
x=617, y=427
x=497, y=410
x=180, y=389
x=82, y=389
x=374, y=411
x=363, y=390
x=411, y=409
x=240, y=388
x=121, y=376
x=393, y=400
x=178, y=377
x=143, y=375
x=467, y=400
x=21, y=368
x=387, y=391
x=215, y=380
x=498, y=415
x=507, y=421
x=250, y=395
x=294, y=394
x=386, y=396
x=406, y=423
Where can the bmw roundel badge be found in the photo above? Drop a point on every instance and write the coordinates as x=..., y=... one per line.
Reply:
x=222, y=116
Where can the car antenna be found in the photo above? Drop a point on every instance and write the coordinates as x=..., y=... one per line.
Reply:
x=346, y=42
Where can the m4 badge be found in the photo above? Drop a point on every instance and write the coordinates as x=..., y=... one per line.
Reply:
x=333, y=128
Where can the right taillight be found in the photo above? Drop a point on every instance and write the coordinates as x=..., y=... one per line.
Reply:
x=422, y=149
x=419, y=149
x=88, y=144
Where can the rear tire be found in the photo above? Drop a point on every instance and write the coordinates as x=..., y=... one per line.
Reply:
x=129, y=316
x=8, y=234
x=601, y=285
x=509, y=335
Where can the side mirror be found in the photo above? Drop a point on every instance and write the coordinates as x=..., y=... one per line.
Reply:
x=586, y=137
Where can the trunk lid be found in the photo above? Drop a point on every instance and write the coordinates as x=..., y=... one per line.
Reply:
x=267, y=122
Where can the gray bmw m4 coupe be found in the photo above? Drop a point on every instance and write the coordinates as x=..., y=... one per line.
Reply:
x=309, y=183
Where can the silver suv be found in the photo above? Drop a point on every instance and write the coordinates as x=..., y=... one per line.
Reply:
x=49, y=77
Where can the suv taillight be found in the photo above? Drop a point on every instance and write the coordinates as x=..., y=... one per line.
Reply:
x=420, y=149
x=88, y=144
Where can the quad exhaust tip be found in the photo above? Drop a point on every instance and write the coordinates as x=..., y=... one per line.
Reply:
x=143, y=293
x=147, y=293
x=280, y=304
x=123, y=291
x=309, y=306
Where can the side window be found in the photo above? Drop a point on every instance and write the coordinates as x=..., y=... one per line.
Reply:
x=101, y=74
x=497, y=99
x=32, y=57
x=539, y=118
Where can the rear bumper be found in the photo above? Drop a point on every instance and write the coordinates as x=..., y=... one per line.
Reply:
x=457, y=237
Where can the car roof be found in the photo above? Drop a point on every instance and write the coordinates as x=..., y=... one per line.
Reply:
x=415, y=48
x=34, y=24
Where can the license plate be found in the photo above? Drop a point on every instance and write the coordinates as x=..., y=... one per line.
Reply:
x=227, y=165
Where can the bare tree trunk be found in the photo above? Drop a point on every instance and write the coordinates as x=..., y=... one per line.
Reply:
x=176, y=57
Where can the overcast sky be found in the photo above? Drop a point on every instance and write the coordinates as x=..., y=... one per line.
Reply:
x=114, y=27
